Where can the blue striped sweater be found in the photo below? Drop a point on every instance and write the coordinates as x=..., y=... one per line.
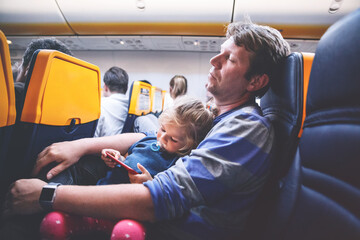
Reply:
x=210, y=193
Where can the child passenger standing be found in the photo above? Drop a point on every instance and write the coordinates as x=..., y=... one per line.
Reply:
x=182, y=127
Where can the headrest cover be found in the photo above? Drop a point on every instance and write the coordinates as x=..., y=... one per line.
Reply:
x=140, y=101
x=335, y=74
x=62, y=88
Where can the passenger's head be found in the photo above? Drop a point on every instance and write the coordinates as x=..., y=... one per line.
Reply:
x=116, y=81
x=178, y=86
x=266, y=45
x=41, y=43
x=246, y=63
x=184, y=125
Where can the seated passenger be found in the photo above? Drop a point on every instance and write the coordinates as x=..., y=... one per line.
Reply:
x=146, y=123
x=183, y=127
x=41, y=43
x=114, y=103
x=177, y=87
x=149, y=123
x=208, y=194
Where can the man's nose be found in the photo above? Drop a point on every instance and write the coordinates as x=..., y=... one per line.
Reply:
x=215, y=61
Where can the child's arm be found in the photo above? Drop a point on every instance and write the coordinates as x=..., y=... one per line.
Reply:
x=108, y=161
x=140, y=178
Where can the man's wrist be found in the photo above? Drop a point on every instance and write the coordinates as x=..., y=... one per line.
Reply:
x=47, y=196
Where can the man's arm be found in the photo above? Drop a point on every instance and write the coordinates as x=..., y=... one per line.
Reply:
x=110, y=201
x=107, y=201
x=68, y=153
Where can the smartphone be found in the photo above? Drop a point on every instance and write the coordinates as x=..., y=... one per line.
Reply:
x=129, y=169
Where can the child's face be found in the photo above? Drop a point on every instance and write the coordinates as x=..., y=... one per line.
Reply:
x=171, y=137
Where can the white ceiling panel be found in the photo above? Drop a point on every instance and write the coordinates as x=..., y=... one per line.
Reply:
x=304, y=12
x=152, y=10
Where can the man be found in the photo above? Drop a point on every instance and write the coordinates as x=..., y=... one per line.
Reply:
x=114, y=104
x=41, y=43
x=206, y=195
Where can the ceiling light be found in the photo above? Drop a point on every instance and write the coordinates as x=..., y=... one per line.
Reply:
x=335, y=6
x=140, y=4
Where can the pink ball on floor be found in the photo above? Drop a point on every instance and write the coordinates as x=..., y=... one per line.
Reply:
x=128, y=229
x=54, y=226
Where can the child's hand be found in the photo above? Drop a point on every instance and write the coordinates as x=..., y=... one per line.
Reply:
x=140, y=178
x=108, y=161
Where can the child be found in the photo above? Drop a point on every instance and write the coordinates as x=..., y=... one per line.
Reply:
x=182, y=127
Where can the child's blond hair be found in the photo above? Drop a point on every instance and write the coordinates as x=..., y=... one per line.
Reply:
x=191, y=114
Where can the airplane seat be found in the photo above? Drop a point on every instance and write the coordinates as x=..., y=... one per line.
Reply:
x=139, y=103
x=7, y=106
x=62, y=103
x=283, y=104
x=321, y=192
x=163, y=94
x=157, y=102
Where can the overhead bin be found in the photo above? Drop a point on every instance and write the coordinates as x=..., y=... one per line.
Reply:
x=145, y=17
x=35, y=17
x=182, y=25
x=115, y=17
x=306, y=19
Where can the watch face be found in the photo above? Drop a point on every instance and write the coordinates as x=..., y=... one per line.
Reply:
x=47, y=194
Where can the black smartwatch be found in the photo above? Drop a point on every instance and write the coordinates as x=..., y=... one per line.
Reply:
x=47, y=196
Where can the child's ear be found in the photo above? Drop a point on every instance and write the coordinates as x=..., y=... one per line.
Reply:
x=258, y=82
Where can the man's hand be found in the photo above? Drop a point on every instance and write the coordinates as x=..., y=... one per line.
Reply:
x=140, y=178
x=64, y=153
x=23, y=197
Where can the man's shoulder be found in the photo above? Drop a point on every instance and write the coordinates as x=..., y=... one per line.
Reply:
x=250, y=112
x=116, y=98
x=245, y=118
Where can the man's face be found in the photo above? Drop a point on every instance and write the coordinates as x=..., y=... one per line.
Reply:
x=226, y=79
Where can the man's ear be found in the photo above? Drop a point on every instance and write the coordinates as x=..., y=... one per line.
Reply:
x=106, y=89
x=258, y=82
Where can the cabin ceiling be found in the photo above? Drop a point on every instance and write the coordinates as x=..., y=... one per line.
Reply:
x=186, y=25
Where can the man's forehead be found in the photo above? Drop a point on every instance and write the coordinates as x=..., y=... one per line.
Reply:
x=227, y=42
